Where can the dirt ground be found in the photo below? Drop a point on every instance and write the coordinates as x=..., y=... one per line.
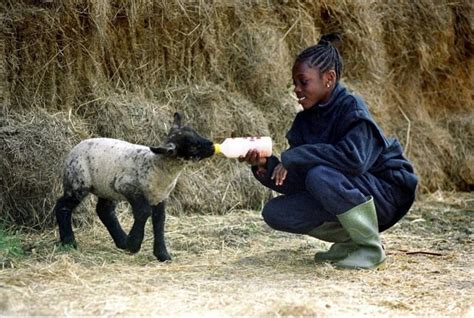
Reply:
x=235, y=265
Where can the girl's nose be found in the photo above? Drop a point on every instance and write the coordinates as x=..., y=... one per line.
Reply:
x=297, y=89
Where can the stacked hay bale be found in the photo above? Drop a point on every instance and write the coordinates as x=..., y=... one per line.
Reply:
x=33, y=145
x=121, y=68
x=430, y=58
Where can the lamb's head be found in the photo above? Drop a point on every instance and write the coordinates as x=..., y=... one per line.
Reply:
x=185, y=143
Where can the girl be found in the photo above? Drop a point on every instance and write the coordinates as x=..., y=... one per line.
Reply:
x=342, y=180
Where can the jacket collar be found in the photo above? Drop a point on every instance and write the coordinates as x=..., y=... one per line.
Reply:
x=335, y=93
x=338, y=90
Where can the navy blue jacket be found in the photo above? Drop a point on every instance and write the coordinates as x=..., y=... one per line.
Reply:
x=341, y=134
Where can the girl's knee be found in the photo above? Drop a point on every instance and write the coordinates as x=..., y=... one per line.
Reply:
x=277, y=214
x=320, y=180
x=270, y=214
x=289, y=214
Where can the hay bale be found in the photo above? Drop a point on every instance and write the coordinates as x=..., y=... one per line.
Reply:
x=467, y=171
x=216, y=112
x=302, y=24
x=43, y=63
x=128, y=117
x=261, y=62
x=433, y=156
x=417, y=37
x=461, y=127
x=430, y=58
x=33, y=146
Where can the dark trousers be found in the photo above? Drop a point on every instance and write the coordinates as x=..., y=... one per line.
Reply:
x=322, y=193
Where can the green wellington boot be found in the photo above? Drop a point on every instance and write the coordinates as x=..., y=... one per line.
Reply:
x=333, y=232
x=336, y=252
x=361, y=224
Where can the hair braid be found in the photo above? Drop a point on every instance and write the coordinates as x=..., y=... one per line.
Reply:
x=324, y=56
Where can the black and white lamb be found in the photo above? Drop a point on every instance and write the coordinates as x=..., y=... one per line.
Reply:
x=115, y=170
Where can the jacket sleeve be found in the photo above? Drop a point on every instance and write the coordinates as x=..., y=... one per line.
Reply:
x=354, y=154
x=293, y=183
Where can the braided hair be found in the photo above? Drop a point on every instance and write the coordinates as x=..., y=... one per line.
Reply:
x=323, y=56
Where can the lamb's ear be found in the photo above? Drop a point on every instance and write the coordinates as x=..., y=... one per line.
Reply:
x=168, y=150
x=177, y=120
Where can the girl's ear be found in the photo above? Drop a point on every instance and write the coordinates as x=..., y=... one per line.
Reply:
x=329, y=78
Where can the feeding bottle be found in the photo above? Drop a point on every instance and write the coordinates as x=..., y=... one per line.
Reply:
x=236, y=147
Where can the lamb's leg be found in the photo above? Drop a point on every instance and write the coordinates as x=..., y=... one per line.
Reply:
x=106, y=211
x=141, y=213
x=158, y=219
x=63, y=210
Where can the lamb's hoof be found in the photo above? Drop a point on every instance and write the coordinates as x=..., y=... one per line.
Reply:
x=67, y=245
x=122, y=244
x=133, y=246
x=163, y=256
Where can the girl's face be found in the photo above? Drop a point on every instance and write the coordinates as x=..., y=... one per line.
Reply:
x=311, y=87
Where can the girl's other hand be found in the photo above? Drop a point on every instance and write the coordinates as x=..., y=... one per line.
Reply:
x=279, y=174
x=253, y=158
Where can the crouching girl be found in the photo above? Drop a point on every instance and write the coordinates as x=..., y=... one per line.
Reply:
x=342, y=180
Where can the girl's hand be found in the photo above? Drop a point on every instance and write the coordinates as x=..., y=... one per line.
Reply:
x=279, y=174
x=253, y=158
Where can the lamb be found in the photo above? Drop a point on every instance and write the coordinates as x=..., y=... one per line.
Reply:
x=116, y=170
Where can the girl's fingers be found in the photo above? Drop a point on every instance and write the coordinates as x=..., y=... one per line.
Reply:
x=253, y=158
x=275, y=171
x=249, y=157
x=281, y=176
